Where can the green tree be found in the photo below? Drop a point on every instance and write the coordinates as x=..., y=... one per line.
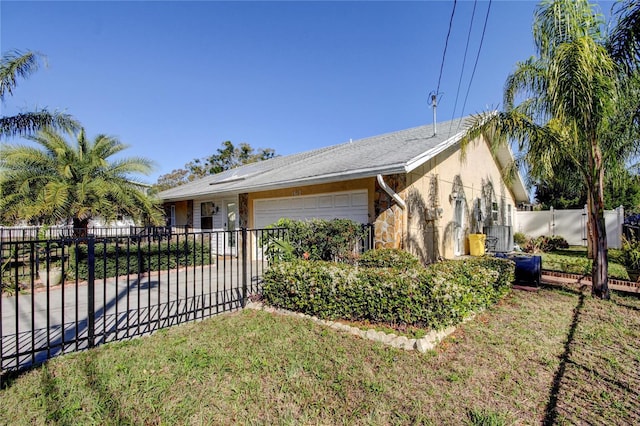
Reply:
x=57, y=181
x=565, y=190
x=13, y=65
x=177, y=177
x=228, y=157
x=564, y=106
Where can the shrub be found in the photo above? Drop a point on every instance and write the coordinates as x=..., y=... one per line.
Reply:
x=112, y=260
x=617, y=255
x=388, y=258
x=436, y=296
x=546, y=244
x=520, y=238
x=331, y=240
x=631, y=253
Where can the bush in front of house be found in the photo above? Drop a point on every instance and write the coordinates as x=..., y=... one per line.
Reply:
x=458, y=288
x=435, y=297
x=112, y=260
x=388, y=258
x=317, y=239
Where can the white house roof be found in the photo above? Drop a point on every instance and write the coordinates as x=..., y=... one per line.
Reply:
x=390, y=153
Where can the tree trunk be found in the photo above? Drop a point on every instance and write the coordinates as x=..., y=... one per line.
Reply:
x=590, y=233
x=595, y=211
x=600, y=270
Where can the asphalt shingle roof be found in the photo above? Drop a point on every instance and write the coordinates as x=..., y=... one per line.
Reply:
x=386, y=154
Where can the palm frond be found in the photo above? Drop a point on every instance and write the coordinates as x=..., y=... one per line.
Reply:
x=624, y=40
x=29, y=122
x=582, y=83
x=16, y=64
x=561, y=21
x=529, y=79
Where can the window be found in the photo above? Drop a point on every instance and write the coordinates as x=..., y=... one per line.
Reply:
x=494, y=212
x=207, y=210
x=173, y=215
x=509, y=214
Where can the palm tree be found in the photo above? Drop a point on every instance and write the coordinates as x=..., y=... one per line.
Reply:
x=57, y=182
x=565, y=106
x=14, y=64
x=624, y=41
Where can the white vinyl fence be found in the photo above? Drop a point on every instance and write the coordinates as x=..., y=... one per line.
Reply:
x=569, y=224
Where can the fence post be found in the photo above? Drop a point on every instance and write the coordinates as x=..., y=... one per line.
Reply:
x=244, y=267
x=91, y=308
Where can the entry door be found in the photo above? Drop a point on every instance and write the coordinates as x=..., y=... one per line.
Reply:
x=231, y=223
x=458, y=228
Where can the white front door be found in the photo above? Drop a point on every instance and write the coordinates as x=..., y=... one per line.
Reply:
x=231, y=223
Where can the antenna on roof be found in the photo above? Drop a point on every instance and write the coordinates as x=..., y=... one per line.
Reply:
x=434, y=104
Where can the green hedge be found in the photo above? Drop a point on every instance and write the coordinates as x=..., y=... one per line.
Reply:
x=388, y=258
x=317, y=239
x=138, y=259
x=436, y=296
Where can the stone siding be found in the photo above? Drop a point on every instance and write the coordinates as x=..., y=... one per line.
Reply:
x=389, y=217
x=243, y=210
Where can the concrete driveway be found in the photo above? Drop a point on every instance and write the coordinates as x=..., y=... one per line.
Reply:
x=35, y=327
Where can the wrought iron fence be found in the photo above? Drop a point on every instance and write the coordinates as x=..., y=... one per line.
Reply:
x=25, y=233
x=65, y=295
x=69, y=294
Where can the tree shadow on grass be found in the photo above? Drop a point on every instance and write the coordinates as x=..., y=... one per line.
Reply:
x=551, y=410
x=597, y=379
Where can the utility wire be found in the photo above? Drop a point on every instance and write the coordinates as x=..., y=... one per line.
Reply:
x=486, y=19
x=464, y=61
x=446, y=43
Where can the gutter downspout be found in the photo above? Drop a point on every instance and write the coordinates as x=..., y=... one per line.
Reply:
x=391, y=193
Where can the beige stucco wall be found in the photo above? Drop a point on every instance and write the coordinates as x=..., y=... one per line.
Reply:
x=430, y=197
x=349, y=185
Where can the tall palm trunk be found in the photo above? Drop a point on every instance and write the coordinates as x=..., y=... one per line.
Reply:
x=598, y=232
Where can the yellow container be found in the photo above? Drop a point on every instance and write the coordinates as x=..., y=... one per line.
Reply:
x=476, y=244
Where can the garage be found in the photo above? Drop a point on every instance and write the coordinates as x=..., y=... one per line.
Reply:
x=344, y=205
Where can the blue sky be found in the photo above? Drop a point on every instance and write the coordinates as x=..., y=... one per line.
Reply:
x=176, y=79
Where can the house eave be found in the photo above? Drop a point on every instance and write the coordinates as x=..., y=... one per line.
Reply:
x=314, y=180
x=419, y=160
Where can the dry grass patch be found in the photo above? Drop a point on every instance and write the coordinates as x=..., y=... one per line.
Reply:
x=253, y=367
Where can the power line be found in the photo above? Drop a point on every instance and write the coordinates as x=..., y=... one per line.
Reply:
x=464, y=61
x=475, y=65
x=446, y=43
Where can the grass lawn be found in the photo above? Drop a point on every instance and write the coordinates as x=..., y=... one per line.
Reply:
x=574, y=260
x=553, y=354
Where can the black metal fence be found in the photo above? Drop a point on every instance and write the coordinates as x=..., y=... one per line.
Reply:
x=25, y=233
x=69, y=294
